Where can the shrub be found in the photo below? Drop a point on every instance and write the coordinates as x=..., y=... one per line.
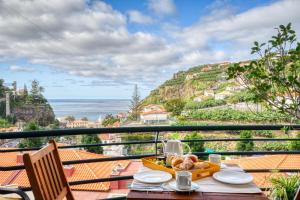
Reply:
x=245, y=145
x=204, y=104
x=263, y=133
x=175, y=106
x=195, y=146
x=275, y=146
x=284, y=187
x=92, y=139
x=295, y=145
x=236, y=115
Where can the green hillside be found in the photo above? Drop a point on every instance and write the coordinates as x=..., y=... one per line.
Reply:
x=208, y=95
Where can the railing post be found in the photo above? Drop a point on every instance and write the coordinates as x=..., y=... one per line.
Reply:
x=156, y=140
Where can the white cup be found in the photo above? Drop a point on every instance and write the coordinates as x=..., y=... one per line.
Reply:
x=184, y=180
x=215, y=158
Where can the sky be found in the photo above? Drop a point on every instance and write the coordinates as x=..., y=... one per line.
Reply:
x=89, y=49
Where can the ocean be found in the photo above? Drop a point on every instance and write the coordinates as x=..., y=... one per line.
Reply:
x=93, y=109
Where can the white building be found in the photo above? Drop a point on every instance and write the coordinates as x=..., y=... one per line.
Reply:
x=209, y=93
x=197, y=99
x=153, y=113
x=222, y=95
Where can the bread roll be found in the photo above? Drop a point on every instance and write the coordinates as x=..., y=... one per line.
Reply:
x=176, y=161
x=194, y=158
x=187, y=164
x=201, y=165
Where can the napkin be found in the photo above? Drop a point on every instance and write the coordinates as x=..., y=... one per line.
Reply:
x=139, y=186
x=209, y=184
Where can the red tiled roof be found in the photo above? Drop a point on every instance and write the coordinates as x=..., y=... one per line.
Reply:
x=267, y=162
x=82, y=171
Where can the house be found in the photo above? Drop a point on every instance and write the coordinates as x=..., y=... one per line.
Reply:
x=190, y=76
x=222, y=95
x=82, y=124
x=153, y=113
x=209, y=93
x=77, y=172
x=287, y=161
x=198, y=99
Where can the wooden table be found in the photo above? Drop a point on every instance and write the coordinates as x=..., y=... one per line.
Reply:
x=134, y=195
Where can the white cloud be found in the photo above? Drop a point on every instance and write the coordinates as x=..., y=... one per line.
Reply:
x=15, y=68
x=162, y=7
x=94, y=41
x=139, y=18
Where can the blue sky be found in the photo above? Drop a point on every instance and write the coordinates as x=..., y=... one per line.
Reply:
x=100, y=49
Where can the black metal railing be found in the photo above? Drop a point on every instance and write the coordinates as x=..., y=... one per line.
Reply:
x=155, y=130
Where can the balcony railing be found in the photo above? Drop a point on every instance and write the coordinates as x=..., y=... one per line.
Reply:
x=153, y=129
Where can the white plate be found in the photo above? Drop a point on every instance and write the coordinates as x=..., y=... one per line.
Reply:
x=153, y=176
x=173, y=186
x=233, y=177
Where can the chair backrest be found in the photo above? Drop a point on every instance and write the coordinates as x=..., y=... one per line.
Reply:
x=46, y=174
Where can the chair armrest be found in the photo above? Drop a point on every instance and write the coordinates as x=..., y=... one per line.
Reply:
x=19, y=192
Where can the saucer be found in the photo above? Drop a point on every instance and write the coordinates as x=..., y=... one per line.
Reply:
x=173, y=186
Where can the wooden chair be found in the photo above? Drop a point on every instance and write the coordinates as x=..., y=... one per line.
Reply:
x=46, y=175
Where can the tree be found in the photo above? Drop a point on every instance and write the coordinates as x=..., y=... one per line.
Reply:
x=274, y=78
x=70, y=118
x=2, y=88
x=175, y=106
x=109, y=120
x=31, y=142
x=135, y=103
x=84, y=119
x=245, y=145
x=92, y=139
x=36, y=91
x=195, y=146
x=25, y=92
x=14, y=84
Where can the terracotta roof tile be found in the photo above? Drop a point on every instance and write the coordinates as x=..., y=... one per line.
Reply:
x=267, y=162
x=82, y=171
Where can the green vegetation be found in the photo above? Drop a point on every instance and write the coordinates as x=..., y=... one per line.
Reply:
x=175, y=106
x=203, y=104
x=70, y=118
x=92, y=139
x=109, y=120
x=235, y=115
x=138, y=148
x=177, y=80
x=135, y=104
x=84, y=119
x=284, y=187
x=31, y=142
x=295, y=145
x=4, y=123
x=195, y=146
x=275, y=76
x=275, y=146
x=22, y=103
x=243, y=96
x=245, y=145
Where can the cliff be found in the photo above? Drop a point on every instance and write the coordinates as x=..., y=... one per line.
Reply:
x=41, y=113
x=192, y=83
